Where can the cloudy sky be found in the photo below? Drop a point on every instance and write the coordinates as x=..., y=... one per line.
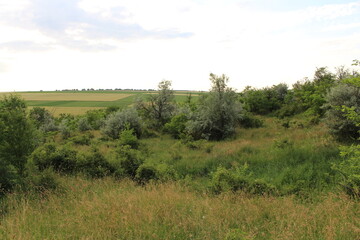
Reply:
x=66, y=44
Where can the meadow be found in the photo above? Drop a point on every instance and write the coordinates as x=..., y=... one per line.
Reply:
x=308, y=204
x=273, y=181
x=79, y=102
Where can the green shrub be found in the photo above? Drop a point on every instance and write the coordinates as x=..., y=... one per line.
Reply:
x=145, y=173
x=61, y=159
x=349, y=169
x=248, y=120
x=43, y=180
x=84, y=125
x=128, y=160
x=343, y=95
x=224, y=180
x=9, y=177
x=95, y=165
x=119, y=121
x=177, y=125
x=84, y=139
x=127, y=137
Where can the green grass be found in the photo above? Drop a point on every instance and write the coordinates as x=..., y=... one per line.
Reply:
x=108, y=209
x=296, y=160
x=119, y=103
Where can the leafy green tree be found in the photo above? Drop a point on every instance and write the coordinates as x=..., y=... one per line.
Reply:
x=160, y=107
x=310, y=95
x=17, y=141
x=218, y=113
x=17, y=133
x=265, y=100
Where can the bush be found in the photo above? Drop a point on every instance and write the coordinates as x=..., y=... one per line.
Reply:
x=9, y=177
x=62, y=159
x=224, y=180
x=128, y=160
x=145, y=173
x=43, y=180
x=119, y=121
x=343, y=95
x=82, y=139
x=84, y=125
x=349, y=169
x=177, y=125
x=250, y=121
x=218, y=112
x=127, y=137
x=95, y=165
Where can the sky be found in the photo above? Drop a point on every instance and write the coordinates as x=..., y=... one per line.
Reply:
x=107, y=44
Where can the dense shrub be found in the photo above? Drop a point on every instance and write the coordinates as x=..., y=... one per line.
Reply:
x=127, y=137
x=224, y=180
x=145, y=173
x=343, y=95
x=42, y=180
x=128, y=161
x=61, y=159
x=84, y=125
x=43, y=119
x=94, y=165
x=18, y=138
x=177, y=125
x=250, y=121
x=95, y=118
x=218, y=113
x=9, y=177
x=350, y=170
x=266, y=100
x=119, y=121
x=84, y=139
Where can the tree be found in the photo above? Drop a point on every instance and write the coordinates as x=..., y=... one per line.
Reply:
x=343, y=96
x=17, y=140
x=160, y=107
x=218, y=112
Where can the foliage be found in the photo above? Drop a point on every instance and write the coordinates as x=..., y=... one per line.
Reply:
x=119, y=121
x=145, y=173
x=224, y=180
x=17, y=134
x=266, y=100
x=340, y=97
x=43, y=119
x=159, y=108
x=350, y=170
x=177, y=125
x=128, y=160
x=248, y=120
x=83, y=124
x=95, y=118
x=218, y=112
x=310, y=95
x=127, y=137
x=62, y=159
x=94, y=164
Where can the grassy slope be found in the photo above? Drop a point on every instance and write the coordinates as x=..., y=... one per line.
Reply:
x=286, y=157
x=106, y=209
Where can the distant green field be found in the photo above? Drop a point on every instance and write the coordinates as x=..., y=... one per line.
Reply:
x=78, y=102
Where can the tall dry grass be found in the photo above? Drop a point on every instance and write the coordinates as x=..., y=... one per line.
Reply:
x=106, y=209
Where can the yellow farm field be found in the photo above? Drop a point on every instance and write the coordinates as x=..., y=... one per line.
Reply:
x=56, y=111
x=71, y=96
